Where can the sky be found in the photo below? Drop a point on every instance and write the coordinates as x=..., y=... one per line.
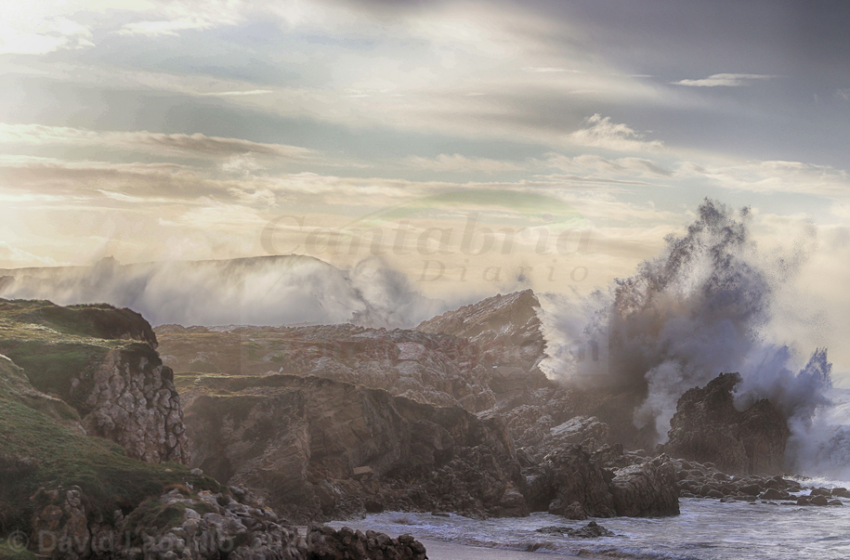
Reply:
x=479, y=146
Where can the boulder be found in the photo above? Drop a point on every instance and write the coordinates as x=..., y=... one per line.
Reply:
x=319, y=449
x=647, y=489
x=708, y=427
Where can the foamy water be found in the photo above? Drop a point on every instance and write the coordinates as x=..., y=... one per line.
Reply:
x=706, y=529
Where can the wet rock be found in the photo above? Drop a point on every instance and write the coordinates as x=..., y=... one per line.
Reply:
x=774, y=494
x=647, y=489
x=318, y=449
x=708, y=427
x=590, y=531
x=324, y=543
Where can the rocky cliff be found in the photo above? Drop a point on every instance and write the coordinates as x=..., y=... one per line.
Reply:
x=708, y=428
x=505, y=328
x=64, y=494
x=102, y=362
x=430, y=368
x=319, y=448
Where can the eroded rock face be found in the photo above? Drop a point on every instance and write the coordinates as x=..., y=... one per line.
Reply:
x=431, y=368
x=326, y=544
x=102, y=363
x=648, y=489
x=577, y=483
x=133, y=402
x=505, y=328
x=708, y=428
x=318, y=449
x=184, y=525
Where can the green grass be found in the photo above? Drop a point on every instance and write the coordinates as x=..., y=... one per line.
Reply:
x=155, y=518
x=89, y=321
x=48, y=348
x=12, y=553
x=15, y=386
x=36, y=452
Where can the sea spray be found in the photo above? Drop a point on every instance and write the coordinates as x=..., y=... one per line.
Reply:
x=289, y=289
x=696, y=310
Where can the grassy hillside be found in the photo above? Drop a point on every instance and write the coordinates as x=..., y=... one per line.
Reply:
x=42, y=447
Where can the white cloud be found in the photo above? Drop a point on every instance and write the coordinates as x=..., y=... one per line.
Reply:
x=458, y=162
x=193, y=145
x=774, y=176
x=614, y=167
x=600, y=132
x=724, y=80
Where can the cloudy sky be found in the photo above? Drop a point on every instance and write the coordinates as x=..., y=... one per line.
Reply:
x=148, y=130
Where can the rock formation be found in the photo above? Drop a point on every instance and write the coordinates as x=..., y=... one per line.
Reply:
x=318, y=448
x=187, y=525
x=505, y=328
x=708, y=428
x=431, y=368
x=577, y=484
x=102, y=362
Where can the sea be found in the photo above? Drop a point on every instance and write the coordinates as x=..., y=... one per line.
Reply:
x=706, y=529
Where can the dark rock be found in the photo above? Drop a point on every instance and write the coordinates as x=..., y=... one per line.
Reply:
x=820, y=501
x=572, y=476
x=841, y=492
x=751, y=489
x=647, y=489
x=324, y=543
x=321, y=449
x=774, y=494
x=589, y=531
x=707, y=427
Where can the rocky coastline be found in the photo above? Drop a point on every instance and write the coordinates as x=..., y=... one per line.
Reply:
x=123, y=441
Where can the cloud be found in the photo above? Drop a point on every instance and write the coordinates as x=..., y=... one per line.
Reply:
x=724, y=80
x=192, y=145
x=32, y=28
x=843, y=94
x=602, y=133
x=617, y=167
x=458, y=162
x=11, y=257
x=774, y=176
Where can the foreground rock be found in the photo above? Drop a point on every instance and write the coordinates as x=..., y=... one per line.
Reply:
x=321, y=449
x=589, y=531
x=182, y=524
x=323, y=543
x=708, y=428
x=102, y=362
x=578, y=484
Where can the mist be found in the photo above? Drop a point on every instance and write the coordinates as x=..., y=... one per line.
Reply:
x=699, y=308
x=252, y=291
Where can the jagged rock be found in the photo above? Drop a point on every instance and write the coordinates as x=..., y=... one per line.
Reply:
x=576, y=486
x=506, y=328
x=325, y=543
x=647, y=489
x=305, y=444
x=708, y=427
x=102, y=363
x=570, y=476
x=589, y=531
x=199, y=526
x=133, y=402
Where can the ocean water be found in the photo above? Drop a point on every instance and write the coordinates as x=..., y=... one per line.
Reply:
x=705, y=530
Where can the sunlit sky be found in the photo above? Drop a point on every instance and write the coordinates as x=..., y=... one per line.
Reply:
x=147, y=130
